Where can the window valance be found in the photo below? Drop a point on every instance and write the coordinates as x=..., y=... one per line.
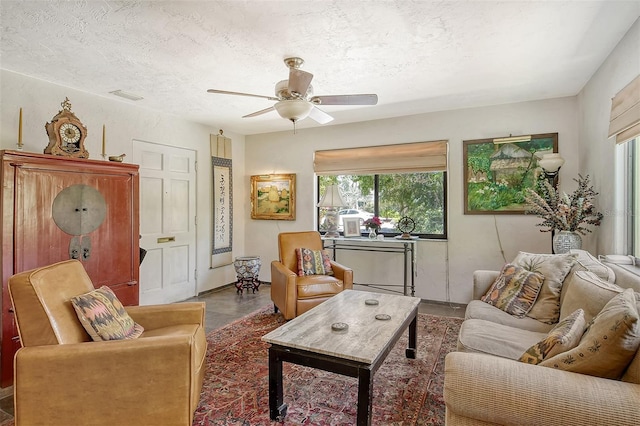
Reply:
x=400, y=158
x=625, y=112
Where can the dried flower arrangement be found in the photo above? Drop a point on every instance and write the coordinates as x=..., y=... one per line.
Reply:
x=564, y=212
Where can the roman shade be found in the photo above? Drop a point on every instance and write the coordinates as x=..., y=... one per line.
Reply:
x=400, y=158
x=625, y=113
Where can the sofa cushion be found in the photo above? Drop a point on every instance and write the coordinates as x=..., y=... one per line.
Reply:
x=587, y=291
x=495, y=339
x=609, y=344
x=313, y=262
x=477, y=309
x=632, y=375
x=564, y=336
x=515, y=290
x=555, y=268
x=588, y=262
x=103, y=316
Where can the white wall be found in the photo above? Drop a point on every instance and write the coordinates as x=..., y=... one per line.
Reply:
x=473, y=239
x=125, y=122
x=597, y=152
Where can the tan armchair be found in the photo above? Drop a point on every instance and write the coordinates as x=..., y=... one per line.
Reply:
x=294, y=295
x=61, y=377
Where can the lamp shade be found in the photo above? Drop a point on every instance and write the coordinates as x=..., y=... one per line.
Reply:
x=551, y=163
x=332, y=198
x=293, y=109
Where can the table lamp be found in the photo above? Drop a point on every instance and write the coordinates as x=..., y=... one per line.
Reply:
x=330, y=200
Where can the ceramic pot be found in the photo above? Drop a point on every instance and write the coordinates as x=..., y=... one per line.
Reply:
x=563, y=241
x=372, y=233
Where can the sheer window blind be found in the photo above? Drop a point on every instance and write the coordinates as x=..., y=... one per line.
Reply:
x=625, y=113
x=400, y=158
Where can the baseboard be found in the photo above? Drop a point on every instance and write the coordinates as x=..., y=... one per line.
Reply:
x=226, y=286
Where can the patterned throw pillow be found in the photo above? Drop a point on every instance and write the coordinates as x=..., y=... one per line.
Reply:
x=609, y=344
x=564, y=336
x=515, y=290
x=555, y=268
x=104, y=317
x=313, y=262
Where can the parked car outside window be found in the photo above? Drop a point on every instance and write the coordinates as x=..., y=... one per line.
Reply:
x=351, y=213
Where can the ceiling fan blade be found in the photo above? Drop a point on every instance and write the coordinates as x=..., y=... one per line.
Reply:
x=345, y=100
x=262, y=111
x=319, y=116
x=299, y=82
x=225, y=92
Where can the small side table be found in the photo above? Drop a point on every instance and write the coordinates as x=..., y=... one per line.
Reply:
x=247, y=270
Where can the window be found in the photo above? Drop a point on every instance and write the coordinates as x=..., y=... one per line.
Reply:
x=390, y=182
x=632, y=204
x=420, y=196
x=625, y=126
x=626, y=211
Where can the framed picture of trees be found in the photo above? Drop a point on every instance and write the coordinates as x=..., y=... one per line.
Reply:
x=273, y=197
x=498, y=171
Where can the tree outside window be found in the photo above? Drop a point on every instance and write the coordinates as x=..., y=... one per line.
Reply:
x=420, y=196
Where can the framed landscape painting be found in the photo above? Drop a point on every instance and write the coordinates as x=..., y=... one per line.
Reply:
x=273, y=197
x=498, y=171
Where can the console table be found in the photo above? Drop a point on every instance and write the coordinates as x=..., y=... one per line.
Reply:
x=389, y=245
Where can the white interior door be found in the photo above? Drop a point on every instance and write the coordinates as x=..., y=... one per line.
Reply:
x=167, y=222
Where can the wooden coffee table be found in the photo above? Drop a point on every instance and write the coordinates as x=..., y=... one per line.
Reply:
x=358, y=351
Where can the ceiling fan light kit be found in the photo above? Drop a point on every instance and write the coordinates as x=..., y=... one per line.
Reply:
x=293, y=109
x=295, y=100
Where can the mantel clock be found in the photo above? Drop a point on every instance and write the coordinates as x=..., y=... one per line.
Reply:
x=66, y=134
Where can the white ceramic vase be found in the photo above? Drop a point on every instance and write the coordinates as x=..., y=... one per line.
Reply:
x=563, y=241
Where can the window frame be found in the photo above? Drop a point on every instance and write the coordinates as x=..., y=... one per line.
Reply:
x=376, y=206
x=632, y=243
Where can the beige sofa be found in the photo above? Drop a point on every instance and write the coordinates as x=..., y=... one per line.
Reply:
x=485, y=384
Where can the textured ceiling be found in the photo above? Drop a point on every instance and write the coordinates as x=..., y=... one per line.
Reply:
x=418, y=56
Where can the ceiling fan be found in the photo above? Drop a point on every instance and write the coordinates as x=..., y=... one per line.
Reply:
x=294, y=97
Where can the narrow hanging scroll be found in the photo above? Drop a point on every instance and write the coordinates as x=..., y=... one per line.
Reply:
x=221, y=250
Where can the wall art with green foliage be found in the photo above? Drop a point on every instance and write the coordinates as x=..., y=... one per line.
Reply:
x=497, y=175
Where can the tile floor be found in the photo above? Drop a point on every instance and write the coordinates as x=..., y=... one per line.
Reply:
x=225, y=305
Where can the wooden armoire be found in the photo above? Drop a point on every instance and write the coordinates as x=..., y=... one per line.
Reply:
x=57, y=208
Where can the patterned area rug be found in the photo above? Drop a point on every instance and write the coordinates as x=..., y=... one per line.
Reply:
x=406, y=391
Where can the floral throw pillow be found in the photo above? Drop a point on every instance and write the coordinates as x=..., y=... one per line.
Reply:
x=563, y=337
x=609, y=344
x=515, y=290
x=313, y=262
x=104, y=317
